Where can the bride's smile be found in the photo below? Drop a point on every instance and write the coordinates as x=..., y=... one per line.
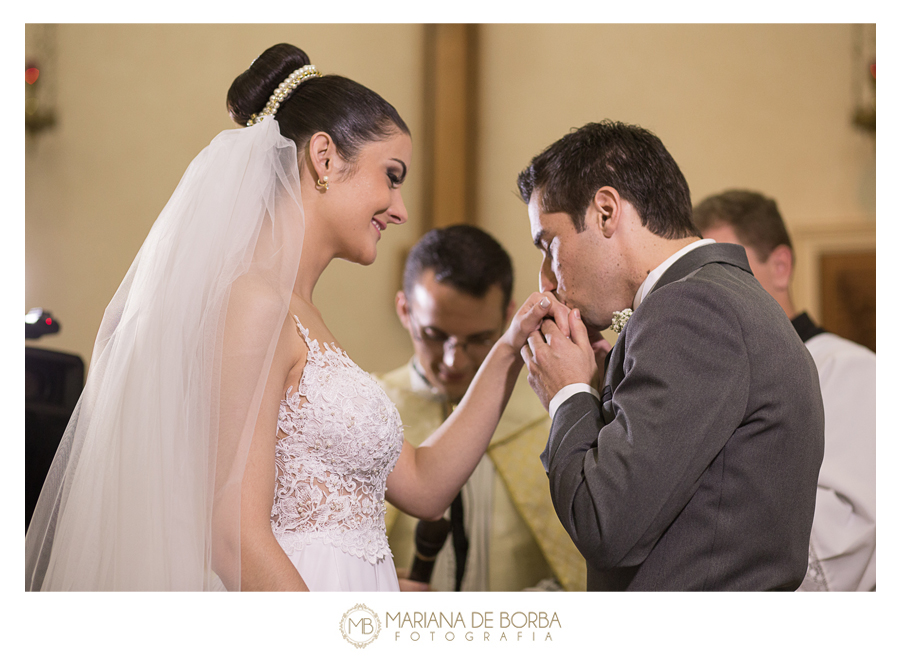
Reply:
x=363, y=197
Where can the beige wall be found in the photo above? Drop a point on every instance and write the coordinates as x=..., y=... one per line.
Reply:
x=766, y=107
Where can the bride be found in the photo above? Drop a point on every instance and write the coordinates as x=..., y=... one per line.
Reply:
x=224, y=439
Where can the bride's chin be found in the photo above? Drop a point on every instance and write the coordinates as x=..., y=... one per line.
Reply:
x=359, y=253
x=366, y=258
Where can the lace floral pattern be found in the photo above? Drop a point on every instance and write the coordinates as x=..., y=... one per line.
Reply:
x=333, y=456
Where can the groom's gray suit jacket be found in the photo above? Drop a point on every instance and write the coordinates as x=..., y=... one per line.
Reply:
x=697, y=470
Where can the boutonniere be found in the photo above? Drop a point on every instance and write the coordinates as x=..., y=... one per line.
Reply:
x=619, y=319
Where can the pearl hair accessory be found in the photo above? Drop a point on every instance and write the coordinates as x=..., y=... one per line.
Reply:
x=284, y=90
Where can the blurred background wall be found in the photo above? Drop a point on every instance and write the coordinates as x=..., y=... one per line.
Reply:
x=767, y=107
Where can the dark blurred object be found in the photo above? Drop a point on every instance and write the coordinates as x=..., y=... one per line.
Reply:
x=41, y=79
x=864, y=117
x=430, y=538
x=848, y=295
x=862, y=72
x=39, y=322
x=53, y=384
x=37, y=118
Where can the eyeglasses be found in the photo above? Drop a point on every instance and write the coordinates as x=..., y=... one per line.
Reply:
x=437, y=340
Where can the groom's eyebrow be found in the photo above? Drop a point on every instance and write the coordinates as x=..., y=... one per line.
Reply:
x=539, y=238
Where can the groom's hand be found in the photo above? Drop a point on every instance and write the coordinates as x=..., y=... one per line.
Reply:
x=555, y=360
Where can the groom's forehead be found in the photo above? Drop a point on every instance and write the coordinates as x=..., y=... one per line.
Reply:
x=540, y=224
x=546, y=225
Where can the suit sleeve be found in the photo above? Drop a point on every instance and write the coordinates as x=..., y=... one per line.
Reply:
x=620, y=471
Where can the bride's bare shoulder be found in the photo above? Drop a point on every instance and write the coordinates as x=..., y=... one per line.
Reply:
x=253, y=302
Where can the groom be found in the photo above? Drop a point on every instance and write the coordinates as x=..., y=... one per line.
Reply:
x=691, y=462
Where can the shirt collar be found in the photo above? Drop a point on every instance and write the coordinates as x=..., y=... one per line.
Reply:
x=648, y=283
x=805, y=327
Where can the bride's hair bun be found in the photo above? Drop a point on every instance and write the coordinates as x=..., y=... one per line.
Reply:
x=349, y=112
x=250, y=91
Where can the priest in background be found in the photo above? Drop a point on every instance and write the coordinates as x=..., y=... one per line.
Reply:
x=501, y=533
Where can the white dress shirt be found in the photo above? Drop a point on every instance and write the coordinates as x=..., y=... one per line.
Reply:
x=643, y=290
x=842, y=543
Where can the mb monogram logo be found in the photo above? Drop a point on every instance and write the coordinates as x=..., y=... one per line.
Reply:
x=360, y=626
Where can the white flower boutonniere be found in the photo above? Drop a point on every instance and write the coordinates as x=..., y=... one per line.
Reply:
x=619, y=319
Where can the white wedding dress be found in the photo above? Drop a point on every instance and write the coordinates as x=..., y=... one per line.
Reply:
x=339, y=436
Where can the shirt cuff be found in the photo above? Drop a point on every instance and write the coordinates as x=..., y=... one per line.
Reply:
x=568, y=391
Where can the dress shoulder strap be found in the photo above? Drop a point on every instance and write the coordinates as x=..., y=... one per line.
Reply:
x=312, y=344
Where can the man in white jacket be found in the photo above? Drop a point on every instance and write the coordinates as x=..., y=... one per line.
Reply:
x=842, y=543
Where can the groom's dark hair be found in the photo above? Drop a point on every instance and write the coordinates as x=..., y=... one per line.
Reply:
x=630, y=159
x=463, y=257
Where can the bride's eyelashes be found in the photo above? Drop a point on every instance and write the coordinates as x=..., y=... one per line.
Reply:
x=397, y=174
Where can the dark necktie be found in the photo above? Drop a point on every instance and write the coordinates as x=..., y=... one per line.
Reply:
x=458, y=530
x=460, y=541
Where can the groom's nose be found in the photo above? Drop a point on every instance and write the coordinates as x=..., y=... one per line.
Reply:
x=546, y=280
x=455, y=356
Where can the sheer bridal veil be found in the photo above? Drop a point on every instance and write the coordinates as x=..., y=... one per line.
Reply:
x=144, y=491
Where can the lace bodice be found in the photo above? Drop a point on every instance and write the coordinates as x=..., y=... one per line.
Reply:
x=333, y=455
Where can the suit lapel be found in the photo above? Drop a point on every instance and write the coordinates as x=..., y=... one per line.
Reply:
x=730, y=254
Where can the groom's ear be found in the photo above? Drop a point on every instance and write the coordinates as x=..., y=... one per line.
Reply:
x=604, y=210
x=401, y=305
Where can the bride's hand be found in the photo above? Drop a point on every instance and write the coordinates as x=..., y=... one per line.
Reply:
x=532, y=313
